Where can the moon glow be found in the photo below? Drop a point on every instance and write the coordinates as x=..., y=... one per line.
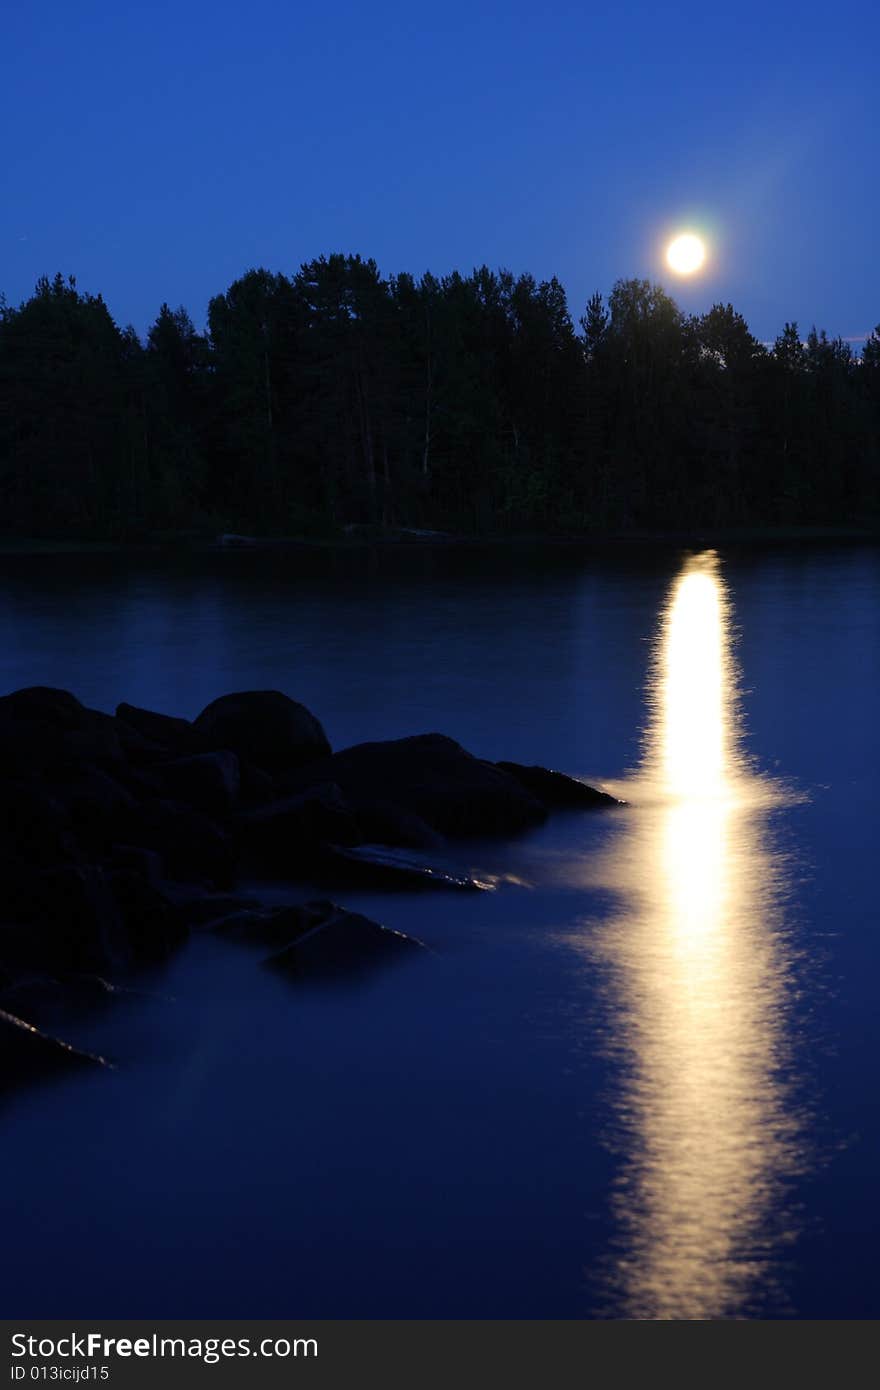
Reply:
x=685, y=254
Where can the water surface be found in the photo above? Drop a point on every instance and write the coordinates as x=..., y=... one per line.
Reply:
x=638, y=1079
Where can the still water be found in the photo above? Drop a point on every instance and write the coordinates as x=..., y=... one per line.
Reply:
x=637, y=1079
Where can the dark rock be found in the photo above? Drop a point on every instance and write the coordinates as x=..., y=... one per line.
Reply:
x=191, y=845
x=56, y=1004
x=26, y=1053
x=138, y=750
x=256, y=788
x=265, y=727
x=434, y=778
x=153, y=928
x=20, y=953
x=375, y=866
x=278, y=837
x=66, y=921
x=95, y=802
x=196, y=908
x=41, y=704
x=207, y=781
x=81, y=919
x=557, y=790
x=274, y=926
x=29, y=749
x=96, y=743
x=344, y=945
x=39, y=737
x=162, y=730
x=146, y=862
x=35, y=825
x=144, y=781
x=384, y=823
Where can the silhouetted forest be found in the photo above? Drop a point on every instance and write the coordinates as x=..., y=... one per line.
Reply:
x=468, y=403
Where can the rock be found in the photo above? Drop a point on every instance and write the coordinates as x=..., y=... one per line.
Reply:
x=146, y=862
x=138, y=750
x=257, y=788
x=432, y=777
x=274, y=926
x=198, y=909
x=384, y=823
x=96, y=803
x=20, y=953
x=56, y=1004
x=162, y=730
x=280, y=837
x=344, y=945
x=230, y=540
x=35, y=825
x=26, y=1053
x=65, y=921
x=41, y=704
x=153, y=928
x=376, y=866
x=208, y=781
x=556, y=790
x=95, y=743
x=192, y=846
x=50, y=732
x=29, y=749
x=143, y=781
x=81, y=919
x=265, y=727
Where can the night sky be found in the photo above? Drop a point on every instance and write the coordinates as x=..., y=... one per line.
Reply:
x=158, y=151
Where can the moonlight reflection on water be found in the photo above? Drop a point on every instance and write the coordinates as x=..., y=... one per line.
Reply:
x=698, y=968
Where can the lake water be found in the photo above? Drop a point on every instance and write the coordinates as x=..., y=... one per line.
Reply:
x=638, y=1078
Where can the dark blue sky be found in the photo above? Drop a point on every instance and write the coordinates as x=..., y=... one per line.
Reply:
x=158, y=151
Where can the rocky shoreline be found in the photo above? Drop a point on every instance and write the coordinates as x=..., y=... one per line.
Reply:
x=122, y=834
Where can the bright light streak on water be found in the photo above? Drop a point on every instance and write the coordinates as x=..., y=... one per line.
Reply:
x=698, y=969
x=694, y=684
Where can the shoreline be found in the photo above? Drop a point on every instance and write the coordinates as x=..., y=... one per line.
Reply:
x=123, y=835
x=406, y=538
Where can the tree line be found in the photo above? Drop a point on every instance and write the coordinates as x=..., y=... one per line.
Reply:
x=467, y=403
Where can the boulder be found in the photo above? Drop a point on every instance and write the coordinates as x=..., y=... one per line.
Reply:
x=376, y=866
x=208, y=781
x=384, y=823
x=56, y=1005
x=35, y=825
x=95, y=743
x=95, y=803
x=556, y=790
x=343, y=945
x=281, y=837
x=29, y=748
x=198, y=909
x=192, y=846
x=153, y=928
x=146, y=862
x=20, y=953
x=163, y=731
x=27, y=1053
x=53, y=730
x=432, y=777
x=41, y=704
x=66, y=921
x=256, y=788
x=274, y=926
x=265, y=727
x=138, y=750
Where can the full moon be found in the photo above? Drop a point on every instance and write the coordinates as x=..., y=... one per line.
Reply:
x=685, y=254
